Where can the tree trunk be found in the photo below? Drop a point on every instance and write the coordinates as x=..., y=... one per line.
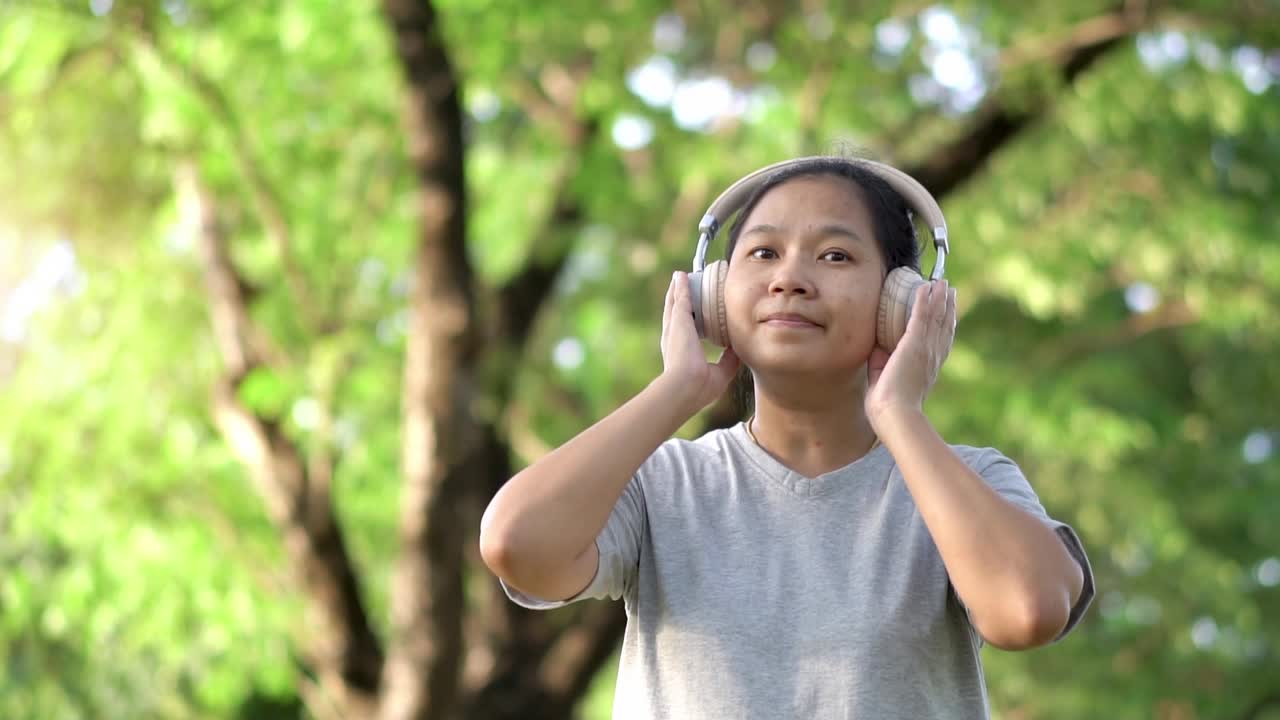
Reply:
x=420, y=678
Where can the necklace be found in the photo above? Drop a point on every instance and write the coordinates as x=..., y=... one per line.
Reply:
x=752, y=435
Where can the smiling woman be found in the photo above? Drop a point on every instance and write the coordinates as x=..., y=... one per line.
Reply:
x=881, y=225
x=802, y=262
x=831, y=558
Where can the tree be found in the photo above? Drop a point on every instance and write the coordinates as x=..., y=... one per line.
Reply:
x=389, y=272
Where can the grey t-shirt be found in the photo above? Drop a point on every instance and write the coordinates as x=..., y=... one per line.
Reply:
x=752, y=591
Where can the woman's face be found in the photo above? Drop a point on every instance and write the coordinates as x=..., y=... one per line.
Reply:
x=804, y=280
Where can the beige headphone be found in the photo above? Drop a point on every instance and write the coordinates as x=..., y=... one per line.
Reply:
x=706, y=284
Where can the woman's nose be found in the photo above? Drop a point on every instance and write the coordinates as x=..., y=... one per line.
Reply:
x=790, y=280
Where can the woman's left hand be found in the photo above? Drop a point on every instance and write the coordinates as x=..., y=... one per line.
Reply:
x=902, y=380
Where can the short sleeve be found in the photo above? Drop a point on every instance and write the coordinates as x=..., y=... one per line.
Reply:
x=1006, y=478
x=619, y=548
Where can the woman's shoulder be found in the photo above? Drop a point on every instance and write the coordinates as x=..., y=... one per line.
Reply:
x=711, y=445
x=979, y=454
x=991, y=464
x=679, y=456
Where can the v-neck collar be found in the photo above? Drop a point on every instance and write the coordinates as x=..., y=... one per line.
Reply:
x=825, y=484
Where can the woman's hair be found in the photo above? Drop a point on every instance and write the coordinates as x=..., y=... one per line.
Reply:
x=891, y=220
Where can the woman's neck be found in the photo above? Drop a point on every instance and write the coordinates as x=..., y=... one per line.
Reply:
x=815, y=437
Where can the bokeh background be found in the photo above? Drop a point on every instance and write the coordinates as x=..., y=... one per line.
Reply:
x=288, y=289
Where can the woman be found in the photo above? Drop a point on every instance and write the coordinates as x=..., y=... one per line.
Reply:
x=832, y=556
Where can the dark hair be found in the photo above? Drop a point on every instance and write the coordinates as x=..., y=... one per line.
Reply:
x=891, y=220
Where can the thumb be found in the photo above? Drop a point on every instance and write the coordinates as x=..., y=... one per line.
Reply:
x=728, y=363
x=876, y=363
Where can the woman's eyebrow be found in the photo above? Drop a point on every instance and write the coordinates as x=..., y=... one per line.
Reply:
x=761, y=228
x=824, y=231
x=828, y=230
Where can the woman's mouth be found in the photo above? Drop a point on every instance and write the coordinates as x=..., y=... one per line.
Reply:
x=790, y=320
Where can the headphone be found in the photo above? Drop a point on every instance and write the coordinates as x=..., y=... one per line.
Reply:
x=706, y=284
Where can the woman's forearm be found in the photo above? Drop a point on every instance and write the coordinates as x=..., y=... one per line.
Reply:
x=1013, y=573
x=551, y=512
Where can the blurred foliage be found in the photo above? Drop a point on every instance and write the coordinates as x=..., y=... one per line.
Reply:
x=1117, y=266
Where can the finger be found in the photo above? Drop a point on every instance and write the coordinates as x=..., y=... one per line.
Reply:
x=946, y=336
x=670, y=299
x=668, y=309
x=878, y=359
x=681, y=298
x=682, y=307
x=949, y=322
x=919, y=308
x=925, y=307
x=941, y=294
x=876, y=364
x=668, y=302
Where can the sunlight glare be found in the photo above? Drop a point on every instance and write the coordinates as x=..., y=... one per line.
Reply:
x=632, y=132
x=698, y=103
x=892, y=36
x=56, y=272
x=654, y=81
x=568, y=354
x=1268, y=572
x=1257, y=447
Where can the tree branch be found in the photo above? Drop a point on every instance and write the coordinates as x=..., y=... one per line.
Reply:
x=1069, y=349
x=1256, y=709
x=520, y=299
x=440, y=437
x=551, y=103
x=262, y=193
x=343, y=648
x=1121, y=22
x=996, y=123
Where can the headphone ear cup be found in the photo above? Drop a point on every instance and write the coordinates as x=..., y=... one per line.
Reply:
x=715, y=318
x=896, y=299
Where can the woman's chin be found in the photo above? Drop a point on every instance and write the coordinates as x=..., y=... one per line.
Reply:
x=787, y=361
x=798, y=358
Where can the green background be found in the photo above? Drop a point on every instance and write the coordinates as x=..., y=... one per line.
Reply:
x=1116, y=256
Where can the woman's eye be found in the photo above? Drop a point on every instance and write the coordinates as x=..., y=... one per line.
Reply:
x=763, y=253
x=837, y=255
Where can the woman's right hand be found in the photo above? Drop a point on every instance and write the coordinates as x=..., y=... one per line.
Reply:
x=683, y=360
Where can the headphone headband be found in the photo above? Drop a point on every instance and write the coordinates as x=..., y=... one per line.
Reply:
x=917, y=198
